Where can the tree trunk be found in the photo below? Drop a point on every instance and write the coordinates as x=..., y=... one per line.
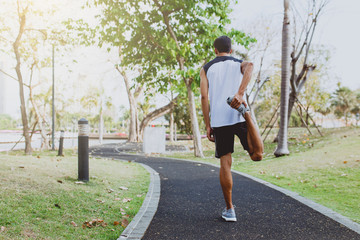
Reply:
x=154, y=115
x=171, y=127
x=194, y=123
x=28, y=149
x=132, y=97
x=282, y=147
x=44, y=142
x=101, y=125
x=133, y=129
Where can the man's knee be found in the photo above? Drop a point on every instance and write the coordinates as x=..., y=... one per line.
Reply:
x=256, y=156
x=226, y=160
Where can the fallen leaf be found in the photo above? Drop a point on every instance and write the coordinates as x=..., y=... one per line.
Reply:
x=21, y=167
x=57, y=205
x=59, y=181
x=262, y=172
x=100, y=201
x=345, y=162
x=116, y=223
x=94, y=223
x=123, y=188
x=124, y=223
x=110, y=190
x=113, y=230
x=126, y=200
x=2, y=229
x=139, y=195
x=74, y=224
x=79, y=182
x=123, y=213
x=357, y=161
x=38, y=156
x=117, y=199
x=344, y=174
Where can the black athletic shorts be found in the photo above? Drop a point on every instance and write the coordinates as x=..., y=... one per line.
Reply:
x=224, y=138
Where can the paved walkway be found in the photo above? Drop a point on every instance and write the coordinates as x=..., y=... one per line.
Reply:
x=191, y=203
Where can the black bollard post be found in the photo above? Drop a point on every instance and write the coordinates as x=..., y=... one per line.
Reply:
x=61, y=143
x=83, y=150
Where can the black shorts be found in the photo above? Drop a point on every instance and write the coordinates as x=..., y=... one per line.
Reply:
x=224, y=138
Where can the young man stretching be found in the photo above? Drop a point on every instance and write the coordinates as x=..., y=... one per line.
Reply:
x=224, y=77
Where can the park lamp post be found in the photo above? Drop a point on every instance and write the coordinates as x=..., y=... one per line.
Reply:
x=83, y=150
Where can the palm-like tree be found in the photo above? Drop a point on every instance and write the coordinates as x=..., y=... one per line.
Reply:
x=282, y=148
x=343, y=102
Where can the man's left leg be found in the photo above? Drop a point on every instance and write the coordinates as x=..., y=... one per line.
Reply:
x=226, y=180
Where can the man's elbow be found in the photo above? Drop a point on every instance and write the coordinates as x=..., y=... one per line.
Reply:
x=204, y=98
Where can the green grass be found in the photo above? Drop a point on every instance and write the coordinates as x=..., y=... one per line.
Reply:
x=323, y=169
x=36, y=205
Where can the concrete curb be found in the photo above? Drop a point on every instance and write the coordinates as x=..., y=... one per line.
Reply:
x=317, y=207
x=137, y=227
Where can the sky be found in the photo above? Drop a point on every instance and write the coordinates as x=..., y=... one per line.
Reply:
x=337, y=30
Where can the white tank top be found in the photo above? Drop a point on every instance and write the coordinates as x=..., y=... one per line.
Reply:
x=224, y=76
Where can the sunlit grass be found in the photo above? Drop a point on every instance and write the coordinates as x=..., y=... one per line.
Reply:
x=40, y=197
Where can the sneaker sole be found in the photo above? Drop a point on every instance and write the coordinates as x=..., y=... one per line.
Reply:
x=229, y=219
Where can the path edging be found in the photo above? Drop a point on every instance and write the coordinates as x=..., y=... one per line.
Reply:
x=137, y=227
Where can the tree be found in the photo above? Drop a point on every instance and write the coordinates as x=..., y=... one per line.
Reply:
x=23, y=19
x=343, y=101
x=302, y=49
x=174, y=37
x=282, y=148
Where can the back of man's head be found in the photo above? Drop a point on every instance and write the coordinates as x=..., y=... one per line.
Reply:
x=223, y=44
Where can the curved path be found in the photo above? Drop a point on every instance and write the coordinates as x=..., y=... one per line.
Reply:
x=191, y=202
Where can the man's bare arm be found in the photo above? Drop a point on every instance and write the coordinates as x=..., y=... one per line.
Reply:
x=246, y=70
x=204, y=89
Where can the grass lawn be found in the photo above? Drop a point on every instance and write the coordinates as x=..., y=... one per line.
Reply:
x=323, y=169
x=41, y=199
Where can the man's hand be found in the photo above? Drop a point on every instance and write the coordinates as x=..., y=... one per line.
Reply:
x=237, y=101
x=210, y=134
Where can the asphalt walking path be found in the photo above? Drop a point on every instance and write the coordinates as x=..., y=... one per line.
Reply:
x=191, y=203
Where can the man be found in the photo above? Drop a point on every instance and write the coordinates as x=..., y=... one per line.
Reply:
x=223, y=77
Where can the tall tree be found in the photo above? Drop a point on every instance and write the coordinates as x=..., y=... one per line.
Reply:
x=344, y=101
x=169, y=36
x=282, y=147
x=26, y=32
x=302, y=43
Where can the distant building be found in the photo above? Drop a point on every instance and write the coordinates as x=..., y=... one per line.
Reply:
x=2, y=91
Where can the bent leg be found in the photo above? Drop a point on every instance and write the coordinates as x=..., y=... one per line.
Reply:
x=226, y=180
x=256, y=146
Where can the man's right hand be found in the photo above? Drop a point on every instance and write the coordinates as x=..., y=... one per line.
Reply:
x=210, y=134
x=237, y=101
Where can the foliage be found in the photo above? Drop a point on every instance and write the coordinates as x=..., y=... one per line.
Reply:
x=161, y=34
x=7, y=122
x=344, y=101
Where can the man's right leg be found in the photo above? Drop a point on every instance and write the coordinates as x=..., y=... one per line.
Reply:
x=226, y=180
x=256, y=146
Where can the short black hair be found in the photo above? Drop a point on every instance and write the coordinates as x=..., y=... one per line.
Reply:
x=223, y=44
